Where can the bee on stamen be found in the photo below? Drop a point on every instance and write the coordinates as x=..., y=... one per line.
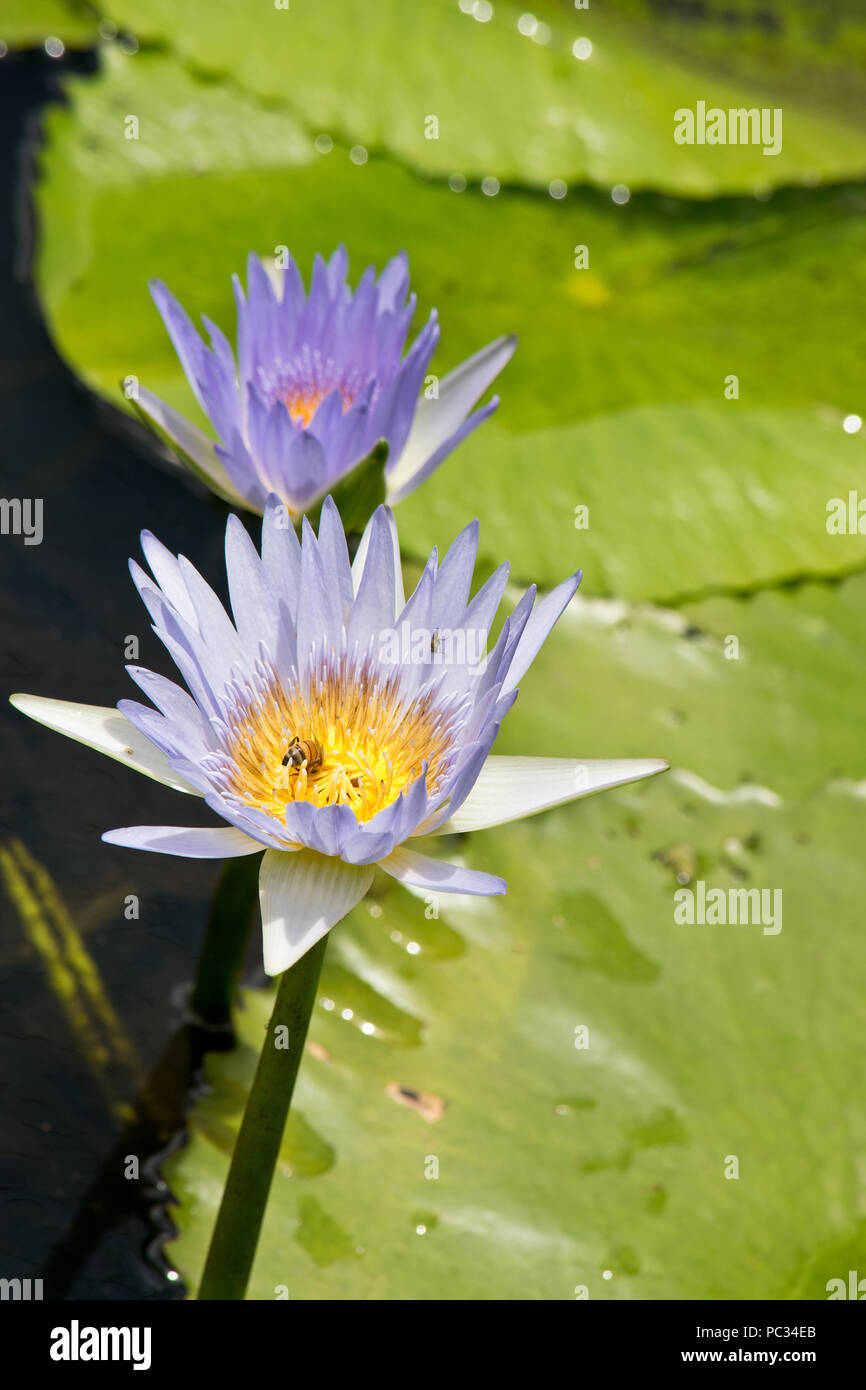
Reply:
x=304, y=750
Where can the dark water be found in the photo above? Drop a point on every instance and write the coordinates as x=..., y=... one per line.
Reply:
x=71, y=1073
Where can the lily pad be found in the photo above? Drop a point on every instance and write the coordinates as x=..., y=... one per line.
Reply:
x=445, y=91
x=629, y=1107
x=600, y=1100
x=686, y=490
x=27, y=23
x=759, y=699
x=657, y=503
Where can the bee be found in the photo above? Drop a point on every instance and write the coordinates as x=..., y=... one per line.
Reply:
x=435, y=642
x=304, y=750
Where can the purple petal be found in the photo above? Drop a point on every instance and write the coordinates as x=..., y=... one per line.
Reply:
x=403, y=482
x=374, y=602
x=394, y=282
x=185, y=340
x=454, y=577
x=543, y=617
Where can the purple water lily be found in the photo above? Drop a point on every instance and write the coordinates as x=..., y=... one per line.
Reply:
x=320, y=379
x=333, y=721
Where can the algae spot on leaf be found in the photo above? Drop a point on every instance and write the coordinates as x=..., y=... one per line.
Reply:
x=321, y=1236
x=657, y=1199
x=663, y=1127
x=681, y=860
x=622, y=1260
x=596, y=941
x=424, y=1222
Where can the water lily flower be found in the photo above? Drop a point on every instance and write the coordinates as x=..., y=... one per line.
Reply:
x=333, y=723
x=320, y=379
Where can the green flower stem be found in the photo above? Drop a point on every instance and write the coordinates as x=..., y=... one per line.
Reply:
x=236, y=1234
x=225, y=940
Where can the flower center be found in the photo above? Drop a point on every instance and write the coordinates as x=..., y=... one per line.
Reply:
x=302, y=405
x=304, y=382
x=354, y=740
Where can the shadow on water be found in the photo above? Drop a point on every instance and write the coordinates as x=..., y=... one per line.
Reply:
x=67, y=1210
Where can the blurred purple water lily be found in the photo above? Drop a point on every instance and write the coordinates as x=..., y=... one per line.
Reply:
x=320, y=379
x=333, y=722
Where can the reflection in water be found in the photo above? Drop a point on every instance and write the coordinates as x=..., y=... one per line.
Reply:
x=72, y=974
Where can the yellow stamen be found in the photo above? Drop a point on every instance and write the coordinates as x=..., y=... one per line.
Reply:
x=302, y=405
x=374, y=742
x=302, y=408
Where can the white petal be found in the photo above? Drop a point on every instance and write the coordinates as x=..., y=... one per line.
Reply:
x=191, y=442
x=361, y=553
x=435, y=420
x=108, y=731
x=510, y=788
x=189, y=842
x=302, y=896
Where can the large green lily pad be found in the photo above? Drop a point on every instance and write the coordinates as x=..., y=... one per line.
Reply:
x=510, y=106
x=213, y=175
x=686, y=490
x=610, y=1169
x=656, y=503
x=704, y=1144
